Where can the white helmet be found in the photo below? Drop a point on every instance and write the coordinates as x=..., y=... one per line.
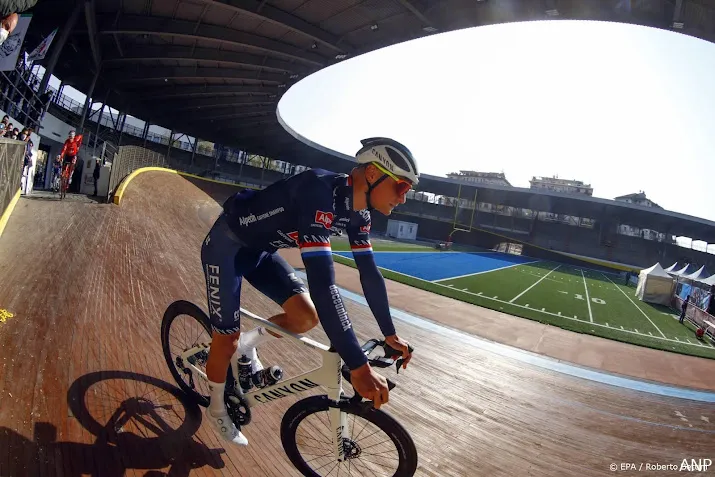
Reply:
x=391, y=155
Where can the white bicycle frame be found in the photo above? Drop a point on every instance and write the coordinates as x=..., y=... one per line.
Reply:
x=328, y=375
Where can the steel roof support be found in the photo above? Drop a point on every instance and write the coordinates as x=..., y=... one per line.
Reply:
x=58, y=45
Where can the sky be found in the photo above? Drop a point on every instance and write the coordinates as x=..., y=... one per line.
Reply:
x=624, y=108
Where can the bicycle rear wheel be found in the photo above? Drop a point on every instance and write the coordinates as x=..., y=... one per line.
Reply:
x=306, y=435
x=184, y=326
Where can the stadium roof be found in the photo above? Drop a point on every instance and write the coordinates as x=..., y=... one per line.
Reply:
x=580, y=205
x=577, y=205
x=216, y=69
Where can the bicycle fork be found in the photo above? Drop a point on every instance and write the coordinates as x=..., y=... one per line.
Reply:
x=338, y=419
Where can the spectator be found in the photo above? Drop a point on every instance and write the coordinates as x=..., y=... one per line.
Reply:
x=5, y=129
x=56, y=171
x=8, y=15
x=95, y=175
x=28, y=169
x=7, y=25
x=684, y=308
x=711, y=302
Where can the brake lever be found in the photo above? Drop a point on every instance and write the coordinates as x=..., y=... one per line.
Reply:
x=391, y=353
x=357, y=397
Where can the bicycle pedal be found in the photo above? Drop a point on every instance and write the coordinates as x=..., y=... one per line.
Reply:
x=267, y=376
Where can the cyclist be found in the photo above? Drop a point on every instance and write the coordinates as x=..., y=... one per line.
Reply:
x=302, y=211
x=69, y=153
x=56, y=173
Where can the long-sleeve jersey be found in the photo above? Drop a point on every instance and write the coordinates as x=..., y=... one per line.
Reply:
x=71, y=147
x=304, y=211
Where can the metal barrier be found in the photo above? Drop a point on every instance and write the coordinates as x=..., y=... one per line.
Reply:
x=12, y=154
x=696, y=315
x=130, y=158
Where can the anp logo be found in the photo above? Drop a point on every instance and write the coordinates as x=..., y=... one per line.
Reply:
x=325, y=218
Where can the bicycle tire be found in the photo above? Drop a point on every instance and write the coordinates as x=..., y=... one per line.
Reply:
x=404, y=444
x=178, y=308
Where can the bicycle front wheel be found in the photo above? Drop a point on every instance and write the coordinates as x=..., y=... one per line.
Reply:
x=377, y=443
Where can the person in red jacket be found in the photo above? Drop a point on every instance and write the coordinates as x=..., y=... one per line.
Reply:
x=69, y=157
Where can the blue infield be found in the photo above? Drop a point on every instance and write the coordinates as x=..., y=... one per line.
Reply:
x=433, y=266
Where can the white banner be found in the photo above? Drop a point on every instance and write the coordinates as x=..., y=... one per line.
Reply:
x=10, y=49
x=41, y=50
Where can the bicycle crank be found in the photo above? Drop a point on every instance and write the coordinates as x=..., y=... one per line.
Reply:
x=237, y=408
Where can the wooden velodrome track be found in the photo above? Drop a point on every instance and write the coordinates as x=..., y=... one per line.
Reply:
x=85, y=390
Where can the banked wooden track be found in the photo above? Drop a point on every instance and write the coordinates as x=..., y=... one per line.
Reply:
x=85, y=391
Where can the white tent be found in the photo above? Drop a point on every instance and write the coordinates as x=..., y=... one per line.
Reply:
x=686, y=270
x=708, y=281
x=672, y=267
x=699, y=275
x=655, y=285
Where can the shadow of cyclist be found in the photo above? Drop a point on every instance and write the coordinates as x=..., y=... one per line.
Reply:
x=44, y=456
x=139, y=422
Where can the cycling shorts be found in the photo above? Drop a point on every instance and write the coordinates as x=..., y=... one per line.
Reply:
x=226, y=261
x=69, y=159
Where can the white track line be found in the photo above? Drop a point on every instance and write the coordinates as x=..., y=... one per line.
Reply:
x=532, y=286
x=485, y=271
x=588, y=299
x=639, y=308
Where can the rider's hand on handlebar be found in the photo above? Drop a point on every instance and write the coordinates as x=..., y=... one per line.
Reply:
x=400, y=345
x=370, y=385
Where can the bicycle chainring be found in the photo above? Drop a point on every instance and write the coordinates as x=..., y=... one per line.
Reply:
x=237, y=408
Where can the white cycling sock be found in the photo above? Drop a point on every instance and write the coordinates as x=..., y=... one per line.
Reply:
x=217, y=406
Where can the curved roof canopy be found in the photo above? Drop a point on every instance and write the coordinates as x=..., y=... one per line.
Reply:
x=216, y=69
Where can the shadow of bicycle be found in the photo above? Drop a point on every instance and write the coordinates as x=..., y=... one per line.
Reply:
x=139, y=422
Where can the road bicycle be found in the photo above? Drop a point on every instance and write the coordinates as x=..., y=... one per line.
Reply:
x=300, y=433
x=65, y=177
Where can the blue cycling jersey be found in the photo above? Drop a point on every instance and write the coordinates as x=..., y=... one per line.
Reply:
x=304, y=211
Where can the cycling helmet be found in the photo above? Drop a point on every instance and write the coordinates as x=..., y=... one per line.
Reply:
x=391, y=156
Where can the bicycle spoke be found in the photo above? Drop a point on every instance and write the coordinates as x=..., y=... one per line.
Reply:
x=186, y=333
x=375, y=462
x=369, y=470
x=378, y=453
x=383, y=461
x=313, y=447
x=318, y=456
x=373, y=445
x=313, y=438
x=363, y=428
x=329, y=462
